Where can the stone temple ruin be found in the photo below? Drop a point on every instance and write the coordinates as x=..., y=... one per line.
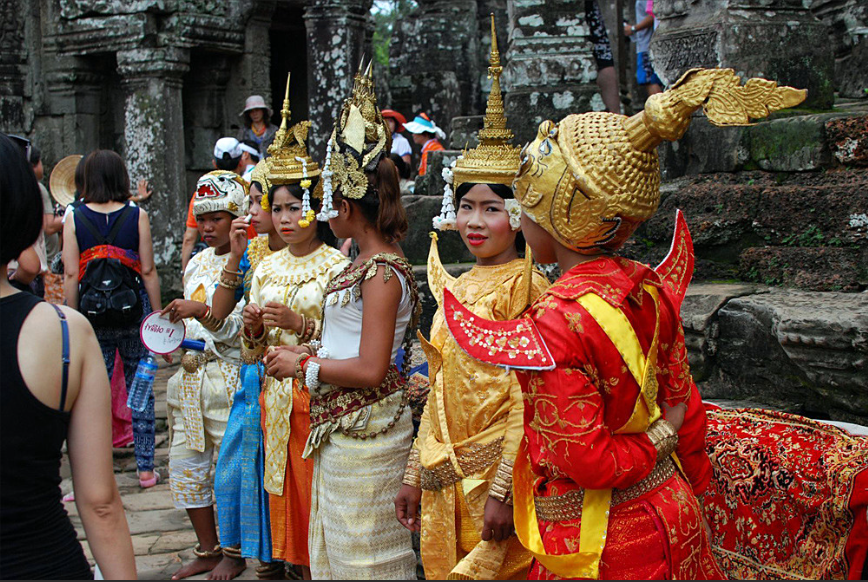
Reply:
x=778, y=312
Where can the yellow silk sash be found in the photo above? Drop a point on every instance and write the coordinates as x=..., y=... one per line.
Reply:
x=595, y=504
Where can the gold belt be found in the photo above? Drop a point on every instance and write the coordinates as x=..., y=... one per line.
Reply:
x=472, y=459
x=568, y=506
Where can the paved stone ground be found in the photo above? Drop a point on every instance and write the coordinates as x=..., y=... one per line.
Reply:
x=162, y=535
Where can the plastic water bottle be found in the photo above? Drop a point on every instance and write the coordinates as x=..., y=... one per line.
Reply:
x=143, y=383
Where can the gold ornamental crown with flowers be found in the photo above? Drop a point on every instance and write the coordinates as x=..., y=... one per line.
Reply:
x=290, y=162
x=494, y=160
x=358, y=142
x=591, y=179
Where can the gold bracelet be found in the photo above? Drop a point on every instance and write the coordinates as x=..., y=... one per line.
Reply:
x=231, y=272
x=210, y=322
x=413, y=471
x=664, y=437
x=501, y=486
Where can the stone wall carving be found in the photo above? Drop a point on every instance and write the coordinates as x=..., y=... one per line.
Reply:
x=776, y=39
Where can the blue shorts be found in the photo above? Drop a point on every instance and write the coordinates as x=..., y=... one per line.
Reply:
x=645, y=74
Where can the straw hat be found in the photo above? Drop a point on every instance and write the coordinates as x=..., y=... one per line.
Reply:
x=255, y=102
x=62, y=179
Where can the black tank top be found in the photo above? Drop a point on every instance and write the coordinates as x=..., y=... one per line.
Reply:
x=37, y=540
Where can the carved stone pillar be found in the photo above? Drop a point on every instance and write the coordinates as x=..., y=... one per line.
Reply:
x=550, y=68
x=154, y=144
x=336, y=32
x=435, y=61
x=74, y=105
x=777, y=39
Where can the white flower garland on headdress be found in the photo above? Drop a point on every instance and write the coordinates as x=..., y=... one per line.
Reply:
x=513, y=208
x=307, y=213
x=446, y=220
x=327, y=211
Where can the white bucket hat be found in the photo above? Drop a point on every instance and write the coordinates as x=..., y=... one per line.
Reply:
x=255, y=102
x=423, y=124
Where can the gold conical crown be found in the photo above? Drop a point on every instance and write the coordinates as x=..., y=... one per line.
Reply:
x=494, y=160
x=290, y=161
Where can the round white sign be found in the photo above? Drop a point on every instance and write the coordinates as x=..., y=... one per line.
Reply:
x=160, y=335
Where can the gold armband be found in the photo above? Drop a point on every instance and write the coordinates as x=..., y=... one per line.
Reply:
x=412, y=474
x=501, y=486
x=664, y=437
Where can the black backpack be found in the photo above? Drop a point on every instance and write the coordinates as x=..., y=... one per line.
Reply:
x=108, y=293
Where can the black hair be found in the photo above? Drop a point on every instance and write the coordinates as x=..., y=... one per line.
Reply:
x=401, y=166
x=105, y=178
x=501, y=190
x=227, y=163
x=323, y=231
x=252, y=144
x=21, y=219
x=35, y=155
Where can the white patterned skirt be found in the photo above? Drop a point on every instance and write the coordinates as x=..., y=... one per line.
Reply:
x=353, y=530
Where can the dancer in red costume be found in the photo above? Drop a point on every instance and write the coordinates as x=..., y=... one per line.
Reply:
x=611, y=483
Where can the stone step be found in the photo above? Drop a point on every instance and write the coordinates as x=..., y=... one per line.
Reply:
x=731, y=213
x=789, y=142
x=802, y=351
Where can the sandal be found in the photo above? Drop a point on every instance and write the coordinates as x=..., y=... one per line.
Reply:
x=148, y=483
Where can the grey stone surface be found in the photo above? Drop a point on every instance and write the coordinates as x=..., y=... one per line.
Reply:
x=701, y=328
x=848, y=36
x=432, y=183
x=550, y=70
x=777, y=39
x=796, y=347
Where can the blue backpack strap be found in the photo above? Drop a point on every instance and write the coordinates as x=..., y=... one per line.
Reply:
x=64, y=327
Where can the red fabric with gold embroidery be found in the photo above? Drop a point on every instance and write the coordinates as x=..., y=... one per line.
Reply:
x=571, y=414
x=789, y=496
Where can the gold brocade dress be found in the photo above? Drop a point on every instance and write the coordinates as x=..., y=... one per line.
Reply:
x=471, y=428
x=299, y=283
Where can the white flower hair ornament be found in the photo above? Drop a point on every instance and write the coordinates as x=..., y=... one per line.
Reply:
x=513, y=209
x=327, y=211
x=446, y=220
x=307, y=213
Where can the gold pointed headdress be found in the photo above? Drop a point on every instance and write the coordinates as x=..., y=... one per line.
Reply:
x=290, y=162
x=591, y=179
x=358, y=142
x=494, y=160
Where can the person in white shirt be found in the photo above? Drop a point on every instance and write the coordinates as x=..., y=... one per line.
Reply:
x=400, y=144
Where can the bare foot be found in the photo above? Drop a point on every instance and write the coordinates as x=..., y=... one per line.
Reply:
x=228, y=568
x=197, y=566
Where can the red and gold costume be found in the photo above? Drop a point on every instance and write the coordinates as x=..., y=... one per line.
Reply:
x=605, y=487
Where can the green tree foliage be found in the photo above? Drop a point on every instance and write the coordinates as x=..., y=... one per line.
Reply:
x=386, y=13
